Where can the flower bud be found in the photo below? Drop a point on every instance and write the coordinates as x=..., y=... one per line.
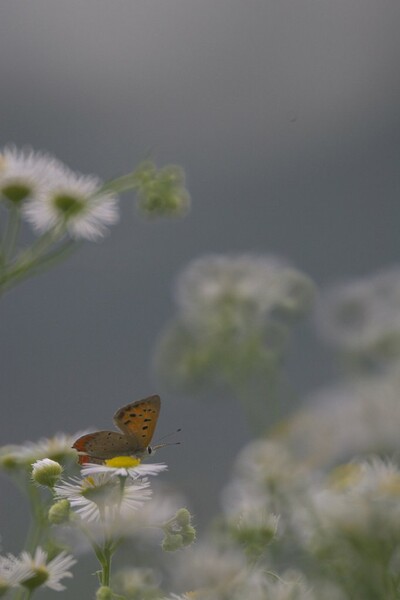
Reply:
x=46, y=472
x=172, y=542
x=59, y=512
x=104, y=593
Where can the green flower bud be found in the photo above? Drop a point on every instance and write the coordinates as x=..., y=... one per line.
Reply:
x=46, y=472
x=59, y=512
x=161, y=192
x=104, y=593
x=172, y=542
x=9, y=462
x=188, y=535
x=183, y=517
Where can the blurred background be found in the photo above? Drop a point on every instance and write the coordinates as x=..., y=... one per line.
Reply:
x=285, y=117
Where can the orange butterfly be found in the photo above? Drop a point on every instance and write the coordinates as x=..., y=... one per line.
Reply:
x=136, y=420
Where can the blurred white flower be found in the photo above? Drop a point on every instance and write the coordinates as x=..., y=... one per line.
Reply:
x=41, y=572
x=12, y=573
x=267, y=482
x=233, y=322
x=250, y=283
x=205, y=566
x=25, y=174
x=355, y=418
x=215, y=574
x=73, y=202
x=57, y=448
x=351, y=524
x=137, y=584
x=363, y=315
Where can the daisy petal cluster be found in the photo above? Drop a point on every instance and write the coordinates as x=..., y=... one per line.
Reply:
x=100, y=498
x=75, y=202
x=12, y=573
x=32, y=571
x=124, y=466
x=25, y=174
x=55, y=198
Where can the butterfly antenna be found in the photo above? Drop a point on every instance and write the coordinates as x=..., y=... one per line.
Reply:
x=164, y=437
x=157, y=446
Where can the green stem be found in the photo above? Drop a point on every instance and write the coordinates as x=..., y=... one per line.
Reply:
x=120, y=184
x=22, y=594
x=11, y=232
x=41, y=264
x=35, y=256
x=106, y=567
x=104, y=556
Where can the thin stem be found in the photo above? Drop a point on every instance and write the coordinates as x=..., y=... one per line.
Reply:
x=120, y=184
x=107, y=566
x=11, y=232
x=31, y=257
x=22, y=594
x=41, y=264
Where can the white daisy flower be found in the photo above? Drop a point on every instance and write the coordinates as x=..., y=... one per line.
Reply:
x=124, y=466
x=74, y=202
x=12, y=572
x=25, y=174
x=39, y=572
x=101, y=498
x=46, y=573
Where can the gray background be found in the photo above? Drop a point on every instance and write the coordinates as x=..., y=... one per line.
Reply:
x=285, y=116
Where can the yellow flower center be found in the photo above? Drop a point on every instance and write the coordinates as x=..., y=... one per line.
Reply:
x=122, y=462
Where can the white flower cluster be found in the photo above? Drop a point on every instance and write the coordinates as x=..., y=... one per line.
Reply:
x=342, y=527
x=234, y=317
x=52, y=197
x=258, y=502
x=260, y=285
x=354, y=418
x=215, y=574
x=350, y=526
x=363, y=316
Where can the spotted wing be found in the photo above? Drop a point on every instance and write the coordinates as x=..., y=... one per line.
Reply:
x=101, y=445
x=138, y=420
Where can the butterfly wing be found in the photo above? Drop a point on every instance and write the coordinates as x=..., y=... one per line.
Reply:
x=138, y=420
x=101, y=445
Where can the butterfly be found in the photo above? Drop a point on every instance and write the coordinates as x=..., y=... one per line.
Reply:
x=136, y=420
